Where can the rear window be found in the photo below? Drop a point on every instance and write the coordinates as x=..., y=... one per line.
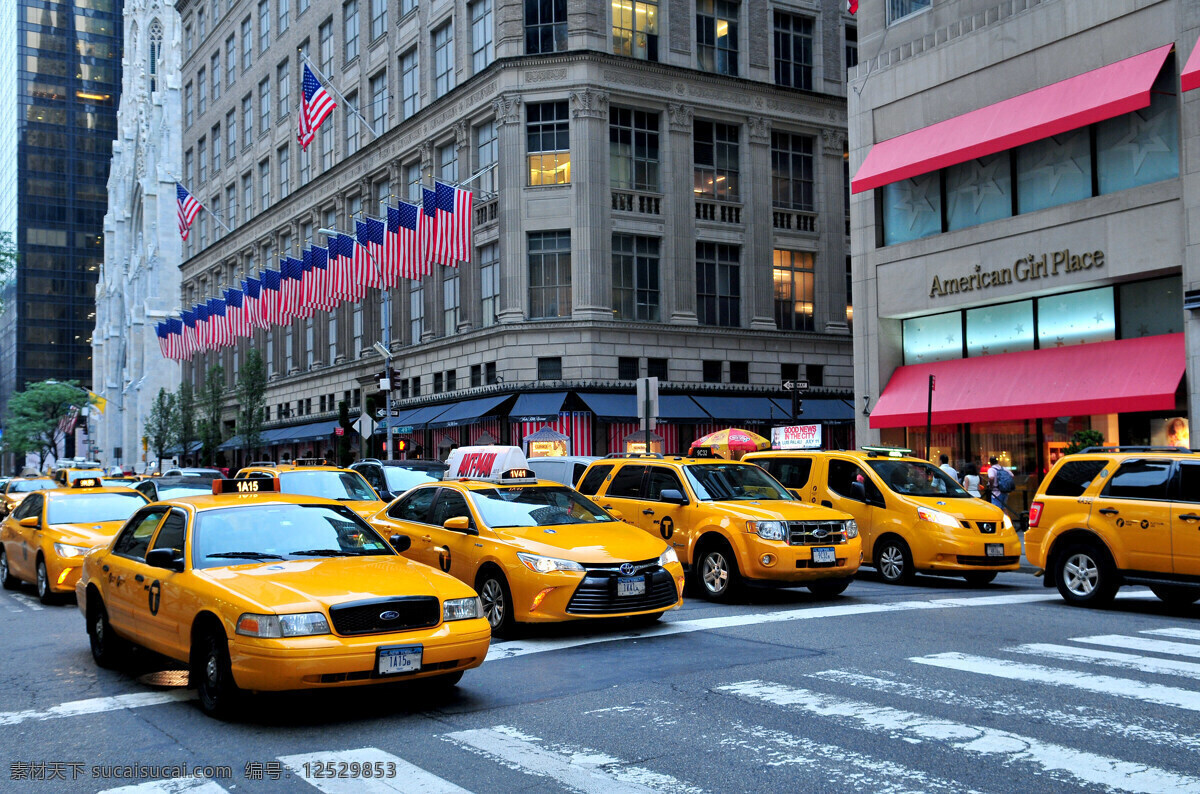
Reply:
x=591, y=483
x=1074, y=477
x=792, y=472
x=1140, y=479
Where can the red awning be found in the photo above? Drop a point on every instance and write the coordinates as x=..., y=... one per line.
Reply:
x=1189, y=78
x=1100, y=94
x=1101, y=378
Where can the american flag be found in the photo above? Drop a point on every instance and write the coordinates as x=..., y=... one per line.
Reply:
x=188, y=335
x=203, y=333
x=346, y=254
x=323, y=280
x=391, y=248
x=409, y=219
x=164, y=340
x=186, y=208
x=308, y=290
x=219, y=320
x=175, y=329
x=370, y=239
x=270, y=298
x=235, y=307
x=315, y=106
x=252, y=292
x=454, y=221
x=291, y=274
x=427, y=238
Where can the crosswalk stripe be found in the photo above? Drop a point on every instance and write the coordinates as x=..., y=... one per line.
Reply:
x=1183, y=634
x=408, y=778
x=582, y=770
x=29, y=602
x=1142, y=644
x=1008, y=748
x=1129, y=661
x=1032, y=673
x=76, y=708
x=176, y=785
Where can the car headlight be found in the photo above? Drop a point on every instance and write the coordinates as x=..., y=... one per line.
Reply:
x=67, y=550
x=937, y=517
x=1008, y=524
x=540, y=564
x=668, y=556
x=302, y=624
x=768, y=530
x=461, y=609
x=851, y=529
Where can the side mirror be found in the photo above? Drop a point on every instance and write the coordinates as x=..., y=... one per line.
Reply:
x=169, y=559
x=33, y=522
x=457, y=524
x=673, y=496
x=387, y=496
x=796, y=493
x=400, y=543
x=615, y=513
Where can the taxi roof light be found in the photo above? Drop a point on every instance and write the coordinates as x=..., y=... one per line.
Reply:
x=310, y=462
x=86, y=482
x=246, y=485
x=889, y=452
x=489, y=464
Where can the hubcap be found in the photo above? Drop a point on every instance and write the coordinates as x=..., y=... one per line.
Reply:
x=43, y=579
x=493, y=602
x=98, y=630
x=1081, y=575
x=715, y=573
x=212, y=670
x=3, y=566
x=891, y=562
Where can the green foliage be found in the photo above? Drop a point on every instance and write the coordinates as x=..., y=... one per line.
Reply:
x=1082, y=439
x=210, y=423
x=185, y=419
x=343, y=441
x=32, y=421
x=251, y=393
x=161, y=426
x=8, y=263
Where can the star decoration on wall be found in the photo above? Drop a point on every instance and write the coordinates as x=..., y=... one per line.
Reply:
x=1099, y=317
x=1144, y=138
x=982, y=182
x=1020, y=329
x=1059, y=342
x=1059, y=162
x=914, y=199
x=1143, y=330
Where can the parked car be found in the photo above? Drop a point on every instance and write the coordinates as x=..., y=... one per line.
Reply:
x=393, y=477
x=566, y=470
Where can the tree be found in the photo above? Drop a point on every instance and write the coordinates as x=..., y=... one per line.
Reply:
x=8, y=263
x=343, y=441
x=1082, y=439
x=210, y=425
x=185, y=419
x=161, y=426
x=252, y=401
x=35, y=419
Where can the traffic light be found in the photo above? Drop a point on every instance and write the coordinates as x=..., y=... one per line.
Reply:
x=401, y=445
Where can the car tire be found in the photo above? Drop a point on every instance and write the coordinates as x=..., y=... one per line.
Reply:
x=1085, y=575
x=894, y=561
x=717, y=575
x=980, y=578
x=828, y=588
x=108, y=649
x=7, y=580
x=1176, y=596
x=218, y=694
x=444, y=681
x=646, y=620
x=497, y=603
x=45, y=594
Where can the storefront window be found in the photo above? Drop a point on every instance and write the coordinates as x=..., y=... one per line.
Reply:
x=978, y=191
x=1054, y=171
x=1005, y=328
x=1076, y=318
x=1150, y=308
x=934, y=338
x=912, y=209
x=1014, y=445
x=1143, y=146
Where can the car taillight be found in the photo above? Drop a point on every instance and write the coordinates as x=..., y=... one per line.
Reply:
x=1035, y=513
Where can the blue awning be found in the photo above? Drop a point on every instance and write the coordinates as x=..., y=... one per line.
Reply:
x=233, y=443
x=468, y=411
x=611, y=407
x=747, y=410
x=316, y=431
x=421, y=417
x=680, y=408
x=818, y=410
x=538, y=407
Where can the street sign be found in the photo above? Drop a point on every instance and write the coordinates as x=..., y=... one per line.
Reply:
x=795, y=385
x=339, y=431
x=647, y=402
x=365, y=426
x=404, y=430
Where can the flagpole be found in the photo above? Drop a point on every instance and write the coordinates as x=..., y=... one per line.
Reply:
x=325, y=81
x=216, y=217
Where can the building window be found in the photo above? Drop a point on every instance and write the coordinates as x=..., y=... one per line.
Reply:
x=231, y=134
x=416, y=312
x=247, y=45
x=489, y=373
x=155, y=36
x=739, y=372
x=283, y=79
x=264, y=186
x=793, y=51
x=379, y=102
x=356, y=317
x=635, y=277
x=715, y=151
x=284, y=13
x=450, y=312
x=412, y=179
x=407, y=7
x=476, y=375
x=1141, y=147
x=416, y=386
x=188, y=172
x=350, y=29
x=202, y=92
x=451, y=380
x=627, y=368
x=851, y=46
x=635, y=29
x=794, y=290
x=331, y=334
x=482, y=51
x=486, y=150
x=549, y=274
x=247, y=120
x=437, y=383
x=187, y=104
x=711, y=371
x=264, y=105
x=447, y=157
x=792, y=171
x=899, y=9
x=443, y=59
x=214, y=71
x=383, y=192
x=979, y=191
x=657, y=368
x=201, y=25
x=264, y=25
x=202, y=158
x=231, y=208
x=248, y=196
x=489, y=282
x=285, y=171
x=410, y=84
x=326, y=136
x=301, y=6
x=718, y=284
x=230, y=59
x=717, y=35
x=325, y=47
x=216, y=148
x=351, y=121
x=550, y=368
x=633, y=149
x=189, y=40
x=548, y=133
x=289, y=350
x=545, y=26
x=378, y=18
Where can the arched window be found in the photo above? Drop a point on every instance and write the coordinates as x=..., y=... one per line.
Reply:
x=155, y=54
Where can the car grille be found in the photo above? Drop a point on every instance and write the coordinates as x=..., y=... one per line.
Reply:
x=964, y=559
x=987, y=527
x=597, y=593
x=816, y=533
x=363, y=617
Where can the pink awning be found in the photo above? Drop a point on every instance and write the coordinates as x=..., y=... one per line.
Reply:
x=1189, y=78
x=1100, y=94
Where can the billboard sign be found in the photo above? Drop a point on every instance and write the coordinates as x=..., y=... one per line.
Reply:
x=796, y=437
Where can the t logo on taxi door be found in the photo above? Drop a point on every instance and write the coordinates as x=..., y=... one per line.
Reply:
x=666, y=527
x=155, y=596
x=444, y=558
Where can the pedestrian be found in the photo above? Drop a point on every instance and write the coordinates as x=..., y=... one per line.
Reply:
x=970, y=480
x=946, y=467
x=1002, y=483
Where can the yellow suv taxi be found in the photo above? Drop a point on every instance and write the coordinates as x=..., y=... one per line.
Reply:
x=1110, y=516
x=315, y=477
x=729, y=522
x=912, y=515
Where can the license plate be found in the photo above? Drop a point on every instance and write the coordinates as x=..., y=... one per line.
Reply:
x=824, y=555
x=631, y=585
x=397, y=659
x=994, y=549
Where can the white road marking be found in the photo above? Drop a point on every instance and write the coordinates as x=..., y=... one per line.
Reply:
x=1036, y=674
x=175, y=785
x=1183, y=634
x=76, y=708
x=27, y=601
x=408, y=777
x=1129, y=661
x=577, y=769
x=1061, y=762
x=1143, y=644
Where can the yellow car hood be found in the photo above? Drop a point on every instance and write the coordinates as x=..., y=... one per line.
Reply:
x=602, y=542
x=969, y=509
x=366, y=510
x=311, y=585
x=97, y=534
x=774, y=510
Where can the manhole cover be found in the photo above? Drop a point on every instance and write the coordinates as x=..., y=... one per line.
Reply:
x=165, y=678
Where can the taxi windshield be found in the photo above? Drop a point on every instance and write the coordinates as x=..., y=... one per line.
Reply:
x=344, y=486
x=176, y=491
x=917, y=478
x=92, y=508
x=520, y=506
x=236, y=535
x=400, y=479
x=28, y=486
x=733, y=482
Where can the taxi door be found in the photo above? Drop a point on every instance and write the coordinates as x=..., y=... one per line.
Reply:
x=848, y=487
x=124, y=572
x=1134, y=509
x=1185, y=519
x=22, y=548
x=413, y=516
x=623, y=493
x=165, y=609
x=455, y=552
x=668, y=520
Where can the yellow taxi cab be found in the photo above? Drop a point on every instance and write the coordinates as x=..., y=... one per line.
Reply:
x=535, y=550
x=315, y=477
x=67, y=474
x=18, y=488
x=912, y=515
x=1111, y=516
x=729, y=522
x=257, y=590
x=45, y=538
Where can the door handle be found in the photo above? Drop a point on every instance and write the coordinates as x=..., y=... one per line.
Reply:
x=608, y=507
x=647, y=512
x=1190, y=517
x=139, y=578
x=826, y=503
x=427, y=538
x=1109, y=511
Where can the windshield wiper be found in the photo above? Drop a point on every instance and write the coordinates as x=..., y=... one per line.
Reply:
x=244, y=555
x=324, y=553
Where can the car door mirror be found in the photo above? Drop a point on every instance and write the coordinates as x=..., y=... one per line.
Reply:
x=796, y=493
x=33, y=522
x=458, y=524
x=615, y=513
x=673, y=496
x=386, y=495
x=168, y=559
x=400, y=542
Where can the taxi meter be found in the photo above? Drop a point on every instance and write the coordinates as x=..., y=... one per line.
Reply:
x=490, y=464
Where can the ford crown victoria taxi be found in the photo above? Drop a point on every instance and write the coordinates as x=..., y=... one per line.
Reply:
x=314, y=477
x=536, y=551
x=257, y=590
x=19, y=487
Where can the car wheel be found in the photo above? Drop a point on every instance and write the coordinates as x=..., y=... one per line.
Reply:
x=646, y=620
x=717, y=573
x=217, y=692
x=45, y=594
x=444, y=681
x=980, y=578
x=894, y=561
x=108, y=650
x=828, y=588
x=497, y=603
x=7, y=580
x=1085, y=576
x=1176, y=596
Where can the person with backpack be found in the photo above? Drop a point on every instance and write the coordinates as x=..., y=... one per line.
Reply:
x=1002, y=483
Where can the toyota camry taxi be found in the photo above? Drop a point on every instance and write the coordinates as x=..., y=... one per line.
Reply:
x=18, y=488
x=258, y=590
x=314, y=477
x=44, y=539
x=537, y=551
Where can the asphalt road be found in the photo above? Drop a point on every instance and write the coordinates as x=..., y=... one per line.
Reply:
x=934, y=687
